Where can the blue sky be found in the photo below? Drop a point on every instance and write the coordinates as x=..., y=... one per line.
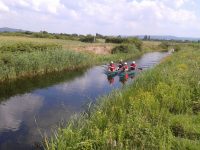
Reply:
x=108, y=17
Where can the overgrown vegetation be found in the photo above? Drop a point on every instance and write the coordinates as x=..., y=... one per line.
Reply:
x=28, y=47
x=160, y=110
x=119, y=40
x=44, y=34
x=124, y=48
x=63, y=36
x=16, y=64
x=27, y=57
x=88, y=39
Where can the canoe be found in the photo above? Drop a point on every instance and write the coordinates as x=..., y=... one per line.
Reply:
x=130, y=73
x=109, y=73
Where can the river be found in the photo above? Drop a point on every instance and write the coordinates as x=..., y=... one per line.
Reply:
x=32, y=107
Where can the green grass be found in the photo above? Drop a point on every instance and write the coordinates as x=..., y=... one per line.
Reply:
x=160, y=110
x=66, y=44
x=23, y=56
x=40, y=62
x=20, y=56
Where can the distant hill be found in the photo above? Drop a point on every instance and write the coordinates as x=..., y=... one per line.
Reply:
x=168, y=37
x=6, y=29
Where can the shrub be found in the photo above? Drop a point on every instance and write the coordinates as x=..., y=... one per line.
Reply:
x=137, y=42
x=114, y=40
x=88, y=39
x=165, y=45
x=177, y=48
x=124, y=48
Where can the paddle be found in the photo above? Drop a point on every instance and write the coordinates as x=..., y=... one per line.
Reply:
x=140, y=68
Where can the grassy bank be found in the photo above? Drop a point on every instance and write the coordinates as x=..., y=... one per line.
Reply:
x=21, y=56
x=159, y=111
x=31, y=62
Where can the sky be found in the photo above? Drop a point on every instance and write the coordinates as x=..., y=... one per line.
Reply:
x=107, y=17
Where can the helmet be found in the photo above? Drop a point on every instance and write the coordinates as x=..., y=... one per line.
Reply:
x=121, y=60
x=125, y=63
x=133, y=62
x=111, y=62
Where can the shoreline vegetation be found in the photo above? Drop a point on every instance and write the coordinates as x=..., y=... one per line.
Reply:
x=22, y=56
x=160, y=110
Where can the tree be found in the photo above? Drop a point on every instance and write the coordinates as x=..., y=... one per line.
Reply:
x=145, y=37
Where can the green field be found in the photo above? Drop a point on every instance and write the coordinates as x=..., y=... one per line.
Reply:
x=66, y=44
x=160, y=110
x=24, y=56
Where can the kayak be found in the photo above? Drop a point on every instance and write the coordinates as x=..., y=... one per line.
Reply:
x=112, y=73
x=130, y=73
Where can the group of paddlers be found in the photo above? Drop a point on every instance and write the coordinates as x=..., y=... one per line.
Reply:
x=121, y=66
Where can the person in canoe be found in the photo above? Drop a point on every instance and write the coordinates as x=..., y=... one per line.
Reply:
x=133, y=66
x=125, y=67
x=120, y=66
x=111, y=67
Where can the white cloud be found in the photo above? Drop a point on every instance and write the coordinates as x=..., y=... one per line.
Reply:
x=84, y=83
x=13, y=111
x=48, y=6
x=3, y=7
x=107, y=16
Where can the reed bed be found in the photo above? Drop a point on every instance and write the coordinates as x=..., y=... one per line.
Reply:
x=40, y=62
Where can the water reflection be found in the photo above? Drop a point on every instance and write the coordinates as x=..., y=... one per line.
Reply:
x=53, y=98
x=123, y=79
x=111, y=79
x=27, y=84
x=14, y=110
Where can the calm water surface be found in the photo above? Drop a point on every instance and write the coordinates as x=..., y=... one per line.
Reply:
x=29, y=107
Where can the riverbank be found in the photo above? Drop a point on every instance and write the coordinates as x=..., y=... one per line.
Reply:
x=27, y=57
x=160, y=110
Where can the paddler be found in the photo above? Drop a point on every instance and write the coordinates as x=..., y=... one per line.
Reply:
x=120, y=66
x=125, y=67
x=111, y=67
x=133, y=65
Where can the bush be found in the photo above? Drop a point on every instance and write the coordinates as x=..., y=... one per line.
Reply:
x=177, y=48
x=28, y=47
x=88, y=39
x=137, y=42
x=114, y=40
x=165, y=45
x=124, y=48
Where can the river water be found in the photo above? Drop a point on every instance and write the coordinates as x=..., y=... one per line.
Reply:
x=32, y=107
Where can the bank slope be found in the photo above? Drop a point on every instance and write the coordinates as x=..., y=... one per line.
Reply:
x=160, y=110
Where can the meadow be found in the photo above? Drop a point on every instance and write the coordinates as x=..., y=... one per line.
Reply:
x=160, y=110
x=24, y=56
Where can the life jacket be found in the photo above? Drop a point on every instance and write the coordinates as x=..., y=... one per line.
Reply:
x=111, y=67
x=133, y=66
x=126, y=76
x=125, y=67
